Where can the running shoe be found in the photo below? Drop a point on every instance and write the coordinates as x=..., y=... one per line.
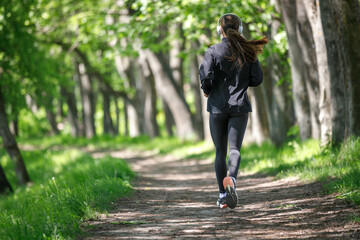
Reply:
x=221, y=202
x=231, y=198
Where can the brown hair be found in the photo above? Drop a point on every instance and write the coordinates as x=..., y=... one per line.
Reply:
x=243, y=51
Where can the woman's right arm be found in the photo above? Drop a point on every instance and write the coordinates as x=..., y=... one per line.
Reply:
x=206, y=71
x=256, y=76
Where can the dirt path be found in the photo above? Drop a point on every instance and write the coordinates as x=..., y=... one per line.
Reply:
x=175, y=198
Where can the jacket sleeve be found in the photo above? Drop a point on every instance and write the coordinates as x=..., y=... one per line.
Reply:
x=256, y=76
x=206, y=71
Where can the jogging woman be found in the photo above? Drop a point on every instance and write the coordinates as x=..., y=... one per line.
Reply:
x=228, y=69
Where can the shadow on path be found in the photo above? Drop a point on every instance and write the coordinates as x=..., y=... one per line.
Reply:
x=175, y=198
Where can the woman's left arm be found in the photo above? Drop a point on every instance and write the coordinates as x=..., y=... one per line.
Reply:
x=206, y=71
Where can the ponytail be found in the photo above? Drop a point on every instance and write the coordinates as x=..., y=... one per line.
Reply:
x=242, y=51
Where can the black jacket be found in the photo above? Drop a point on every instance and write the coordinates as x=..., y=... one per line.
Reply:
x=225, y=83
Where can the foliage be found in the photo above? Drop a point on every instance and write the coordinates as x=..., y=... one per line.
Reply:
x=39, y=39
x=153, y=22
x=33, y=124
x=339, y=168
x=21, y=54
x=69, y=187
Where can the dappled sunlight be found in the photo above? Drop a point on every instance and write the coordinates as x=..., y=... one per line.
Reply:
x=88, y=88
x=176, y=197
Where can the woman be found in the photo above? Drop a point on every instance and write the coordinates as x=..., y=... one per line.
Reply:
x=228, y=69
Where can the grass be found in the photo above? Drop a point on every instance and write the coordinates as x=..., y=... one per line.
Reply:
x=337, y=167
x=69, y=186
x=160, y=145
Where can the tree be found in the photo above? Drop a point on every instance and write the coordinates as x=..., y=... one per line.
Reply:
x=20, y=55
x=4, y=183
x=141, y=52
x=165, y=86
x=303, y=68
x=341, y=27
x=195, y=86
x=70, y=99
x=275, y=89
x=150, y=111
x=108, y=123
x=11, y=145
x=313, y=13
x=335, y=30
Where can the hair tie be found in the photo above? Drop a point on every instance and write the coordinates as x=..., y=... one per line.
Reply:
x=227, y=26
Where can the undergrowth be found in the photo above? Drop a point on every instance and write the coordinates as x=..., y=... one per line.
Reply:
x=68, y=187
x=337, y=167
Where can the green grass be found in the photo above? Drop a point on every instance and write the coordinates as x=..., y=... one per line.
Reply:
x=340, y=166
x=161, y=145
x=69, y=186
x=337, y=167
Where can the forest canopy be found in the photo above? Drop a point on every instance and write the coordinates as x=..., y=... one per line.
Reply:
x=116, y=67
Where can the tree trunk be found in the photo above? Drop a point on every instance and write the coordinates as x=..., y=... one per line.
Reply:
x=293, y=27
x=258, y=129
x=135, y=106
x=341, y=24
x=11, y=145
x=175, y=61
x=5, y=186
x=204, y=112
x=52, y=121
x=313, y=13
x=336, y=65
x=87, y=100
x=60, y=104
x=150, y=111
x=195, y=86
x=350, y=23
x=166, y=88
x=126, y=118
x=306, y=40
x=14, y=127
x=108, y=123
x=31, y=104
x=133, y=120
x=258, y=124
x=169, y=119
x=72, y=111
x=281, y=111
x=50, y=115
x=117, y=111
x=138, y=101
x=205, y=117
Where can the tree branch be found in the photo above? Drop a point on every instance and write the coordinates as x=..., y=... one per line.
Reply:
x=92, y=70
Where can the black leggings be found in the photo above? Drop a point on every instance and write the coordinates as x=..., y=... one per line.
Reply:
x=224, y=127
